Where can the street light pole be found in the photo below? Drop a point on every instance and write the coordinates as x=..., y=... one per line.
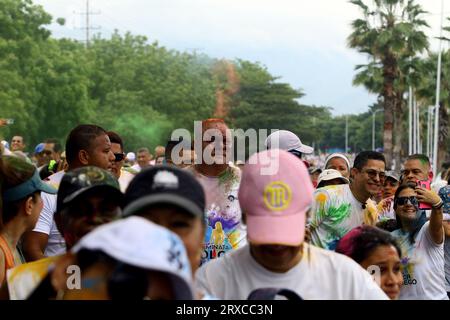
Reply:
x=410, y=139
x=373, y=128
x=438, y=91
x=314, y=142
x=416, y=126
x=419, y=140
x=429, y=131
x=346, y=133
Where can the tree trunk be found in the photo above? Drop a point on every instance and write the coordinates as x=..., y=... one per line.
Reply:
x=398, y=128
x=389, y=74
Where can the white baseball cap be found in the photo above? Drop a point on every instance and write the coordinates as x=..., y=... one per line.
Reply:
x=131, y=156
x=141, y=243
x=330, y=174
x=286, y=140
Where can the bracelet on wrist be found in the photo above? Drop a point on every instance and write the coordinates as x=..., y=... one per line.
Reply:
x=438, y=205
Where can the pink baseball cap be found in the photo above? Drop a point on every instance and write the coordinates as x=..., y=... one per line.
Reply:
x=275, y=204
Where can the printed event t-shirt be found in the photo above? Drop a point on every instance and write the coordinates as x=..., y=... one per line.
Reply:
x=125, y=179
x=423, y=266
x=224, y=228
x=386, y=209
x=46, y=224
x=335, y=211
x=320, y=275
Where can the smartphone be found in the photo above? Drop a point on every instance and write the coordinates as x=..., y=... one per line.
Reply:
x=426, y=184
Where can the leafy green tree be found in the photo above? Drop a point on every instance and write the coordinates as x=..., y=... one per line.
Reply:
x=22, y=35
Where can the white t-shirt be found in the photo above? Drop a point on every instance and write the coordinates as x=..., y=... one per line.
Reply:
x=423, y=266
x=46, y=224
x=125, y=179
x=320, y=275
x=224, y=228
x=335, y=211
x=138, y=168
x=438, y=184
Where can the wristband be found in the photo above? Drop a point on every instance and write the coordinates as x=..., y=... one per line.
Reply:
x=438, y=205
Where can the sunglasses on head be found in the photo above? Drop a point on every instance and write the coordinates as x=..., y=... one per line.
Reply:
x=401, y=201
x=119, y=157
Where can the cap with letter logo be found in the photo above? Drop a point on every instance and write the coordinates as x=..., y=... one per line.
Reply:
x=275, y=204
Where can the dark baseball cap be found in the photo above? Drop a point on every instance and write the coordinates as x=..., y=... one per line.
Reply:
x=81, y=180
x=165, y=185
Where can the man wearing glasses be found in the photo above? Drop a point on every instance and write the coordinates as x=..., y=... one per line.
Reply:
x=338, y=209
x=122, y=175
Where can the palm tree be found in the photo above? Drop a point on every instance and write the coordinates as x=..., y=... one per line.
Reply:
x=426, y=92
x=388, y=33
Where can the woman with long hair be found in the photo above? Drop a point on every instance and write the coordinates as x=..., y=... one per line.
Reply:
x=422, y=243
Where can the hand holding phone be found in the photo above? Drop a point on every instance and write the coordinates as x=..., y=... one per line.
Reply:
x=425, y=184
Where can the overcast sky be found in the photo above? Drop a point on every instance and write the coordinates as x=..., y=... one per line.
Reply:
x=302, y=41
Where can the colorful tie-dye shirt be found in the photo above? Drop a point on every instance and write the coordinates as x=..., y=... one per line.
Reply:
x=224, y=228
x=335, y=212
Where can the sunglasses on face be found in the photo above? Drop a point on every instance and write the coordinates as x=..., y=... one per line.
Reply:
x=401, y=201
x=372, y=174
x=119, y=157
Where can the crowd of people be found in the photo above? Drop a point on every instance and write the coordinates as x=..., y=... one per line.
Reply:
x=94, y=221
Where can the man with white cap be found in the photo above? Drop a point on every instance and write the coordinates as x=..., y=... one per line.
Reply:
x=275, y=207
x=386, y=205
x=129, y=259
x=289, y=141
x=130, y=159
